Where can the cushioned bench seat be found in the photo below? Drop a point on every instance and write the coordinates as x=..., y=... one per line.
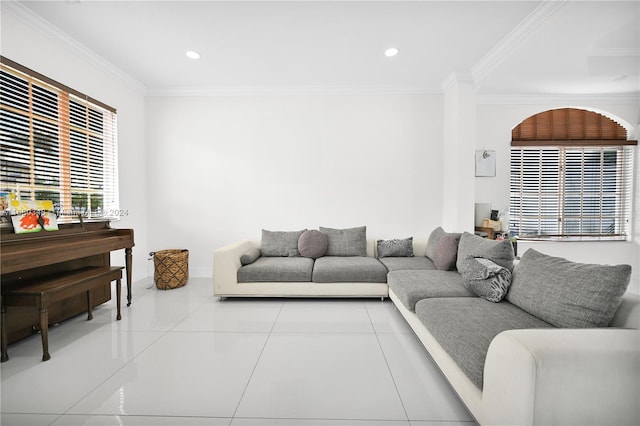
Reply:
x=277, y=269
x=465, y=326
x=357, y=269
x=421, y=263
x=413, y=286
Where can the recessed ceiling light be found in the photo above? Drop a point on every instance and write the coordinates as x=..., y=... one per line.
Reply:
x=192, y=55
x=391, y=52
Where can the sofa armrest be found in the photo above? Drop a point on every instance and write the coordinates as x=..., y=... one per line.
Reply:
x=226, y=262
x=563, y=376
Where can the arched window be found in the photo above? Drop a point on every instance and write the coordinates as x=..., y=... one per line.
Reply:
x=571, y=175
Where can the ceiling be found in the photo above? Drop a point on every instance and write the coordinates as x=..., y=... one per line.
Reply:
x=506, y=47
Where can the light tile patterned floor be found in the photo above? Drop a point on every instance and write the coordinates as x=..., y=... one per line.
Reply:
x=183, y=357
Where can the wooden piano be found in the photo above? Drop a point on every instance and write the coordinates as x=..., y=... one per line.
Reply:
x=28, y=257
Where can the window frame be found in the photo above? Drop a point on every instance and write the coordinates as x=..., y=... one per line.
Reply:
x=80, y=135
x=563, y=201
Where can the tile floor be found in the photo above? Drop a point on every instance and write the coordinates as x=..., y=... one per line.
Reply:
x=182, y=357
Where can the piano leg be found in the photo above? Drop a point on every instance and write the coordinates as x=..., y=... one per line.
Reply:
x=127, y=262
x=5, y=356
x=118, y=296
x=44, y=330
x=89, y=306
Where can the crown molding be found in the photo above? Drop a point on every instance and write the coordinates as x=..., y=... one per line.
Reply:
x=288, y=91
x=557, y=99
x=454, y=78
x=28, y=17
x=512, y=40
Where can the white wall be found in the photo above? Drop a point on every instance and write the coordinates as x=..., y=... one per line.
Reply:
x=223, y=168
x=494, y=124
x=31, y=48
x=459, y=108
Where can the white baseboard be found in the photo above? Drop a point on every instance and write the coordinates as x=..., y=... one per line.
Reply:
x=201, y=272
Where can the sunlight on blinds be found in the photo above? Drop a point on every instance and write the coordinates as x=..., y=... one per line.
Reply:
x=57, y=145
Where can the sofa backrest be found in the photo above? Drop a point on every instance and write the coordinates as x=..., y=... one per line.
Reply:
x=371, y=248
x=419, y=246
x=628, y=314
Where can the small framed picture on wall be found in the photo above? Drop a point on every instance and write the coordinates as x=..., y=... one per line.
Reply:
x=485, y=163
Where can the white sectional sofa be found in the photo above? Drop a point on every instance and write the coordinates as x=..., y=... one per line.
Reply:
x=551, y=376
x=227, y=264
x=507, y=365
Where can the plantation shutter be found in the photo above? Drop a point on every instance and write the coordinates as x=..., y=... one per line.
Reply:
x=571, y=192
x=571, y=175
x=57, y=144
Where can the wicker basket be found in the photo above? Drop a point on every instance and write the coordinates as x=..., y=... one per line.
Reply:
x=171, y=268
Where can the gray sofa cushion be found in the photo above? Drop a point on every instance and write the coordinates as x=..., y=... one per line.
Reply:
x=435, y=237
x=568, y=294
x=330, y=269
x=277, y=269
x=346, y=242
x=250, y=256
x=408, y=263
x=312, y=244
x=413, y=286
x=465, y=327
x=280, y=243
x=446, y=253
x=395, y=248
x=500, y=252
x=432, y=241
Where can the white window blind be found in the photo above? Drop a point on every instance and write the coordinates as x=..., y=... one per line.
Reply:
x=571, y=191
x=57, y=144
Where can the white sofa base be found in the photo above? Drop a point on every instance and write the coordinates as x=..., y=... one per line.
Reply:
x=306, y=289
x=549, y=376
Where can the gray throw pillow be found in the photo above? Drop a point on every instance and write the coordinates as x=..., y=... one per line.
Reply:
x=395, y=248
x=568, y=294
x=446, y=253
x=498, y=251
x=250, y=256
x=346, y=242
x=280, y=243
x=485, y=278
x=312, y=244
x=434, y=239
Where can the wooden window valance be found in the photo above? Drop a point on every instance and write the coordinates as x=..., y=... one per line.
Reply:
x=569, y=126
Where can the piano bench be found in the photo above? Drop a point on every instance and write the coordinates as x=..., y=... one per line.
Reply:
x=42, y=292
